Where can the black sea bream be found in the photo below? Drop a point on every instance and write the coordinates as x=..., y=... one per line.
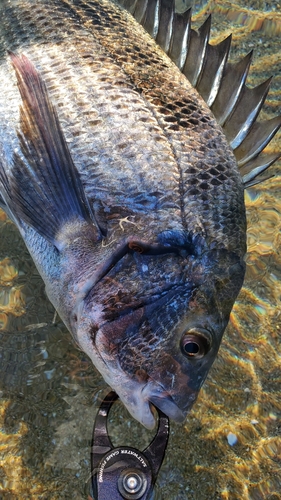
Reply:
x=126, y=141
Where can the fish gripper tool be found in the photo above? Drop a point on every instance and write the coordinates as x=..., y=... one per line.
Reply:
x=125, y=472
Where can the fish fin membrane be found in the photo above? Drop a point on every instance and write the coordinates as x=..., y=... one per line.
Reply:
x=43, y=187
x=221, y=84
x=2, y=203
x=4, y=193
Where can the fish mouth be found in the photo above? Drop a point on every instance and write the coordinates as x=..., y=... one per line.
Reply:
x=140, y=399
x=156, y=395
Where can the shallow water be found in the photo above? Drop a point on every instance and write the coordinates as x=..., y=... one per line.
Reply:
x=50, y=390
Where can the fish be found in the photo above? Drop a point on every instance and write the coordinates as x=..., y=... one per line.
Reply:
x=126, y=143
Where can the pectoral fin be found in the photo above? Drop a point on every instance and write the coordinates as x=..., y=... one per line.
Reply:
x=43, y=187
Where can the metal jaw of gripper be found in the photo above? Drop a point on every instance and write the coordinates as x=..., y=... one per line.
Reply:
x=125, y=472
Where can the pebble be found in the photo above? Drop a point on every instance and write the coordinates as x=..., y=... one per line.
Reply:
x=272, y=416
x=232, y=438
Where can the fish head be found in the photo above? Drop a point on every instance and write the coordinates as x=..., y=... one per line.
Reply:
x=153, y=325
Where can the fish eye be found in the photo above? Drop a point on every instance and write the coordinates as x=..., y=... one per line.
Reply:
x=194, y=345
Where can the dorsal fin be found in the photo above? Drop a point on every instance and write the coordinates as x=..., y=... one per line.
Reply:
x=221, y=84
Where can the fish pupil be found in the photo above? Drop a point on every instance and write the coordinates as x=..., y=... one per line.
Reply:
x=191, y=348
x=194, y=345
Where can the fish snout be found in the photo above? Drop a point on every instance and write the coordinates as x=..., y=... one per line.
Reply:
x=176, y=407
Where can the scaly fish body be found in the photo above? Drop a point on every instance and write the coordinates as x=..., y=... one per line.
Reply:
x=144, y=259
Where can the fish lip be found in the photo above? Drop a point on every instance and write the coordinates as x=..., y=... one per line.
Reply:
x=140, y=398
x=158, y=396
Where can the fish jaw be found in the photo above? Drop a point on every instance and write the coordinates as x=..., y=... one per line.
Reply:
x=160, y=381
x=130, y=391
x=137, y=392
x=139, y=397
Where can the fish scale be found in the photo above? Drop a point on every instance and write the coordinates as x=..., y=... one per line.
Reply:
x=62, y=63
x=124, y=187
x=102, y=142
x=162, y=96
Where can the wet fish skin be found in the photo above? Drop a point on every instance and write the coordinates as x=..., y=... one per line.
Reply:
x=162, y=260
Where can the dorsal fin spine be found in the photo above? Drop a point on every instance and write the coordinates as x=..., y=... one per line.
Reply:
x=166, y=21
x=224, y=105
x=140, y=10
x=251, y=101
x=224, y=48
x=193, y=66
x=260, y=135
x=226, y=94
x=180, y=35
x=151, y=18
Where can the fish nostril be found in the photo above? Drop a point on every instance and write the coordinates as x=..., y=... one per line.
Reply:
x=136, y=247
x=141, y=375
x=194, y=345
